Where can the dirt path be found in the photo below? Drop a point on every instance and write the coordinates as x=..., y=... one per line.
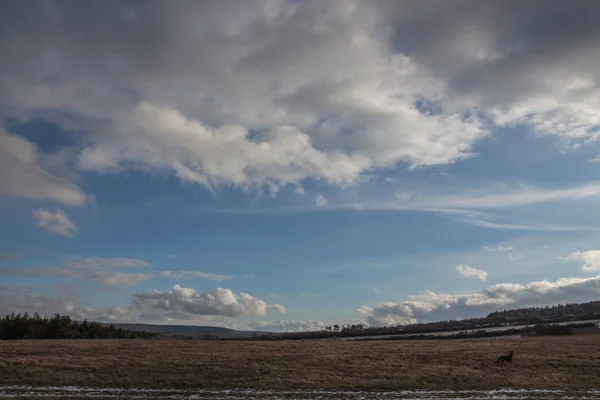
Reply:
x=28, y=392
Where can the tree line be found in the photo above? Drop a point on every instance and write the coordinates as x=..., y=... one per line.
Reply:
x=345, y=328
x=24, y=326
x=556, y=311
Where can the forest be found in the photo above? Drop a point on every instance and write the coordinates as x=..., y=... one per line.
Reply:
x=23, y=326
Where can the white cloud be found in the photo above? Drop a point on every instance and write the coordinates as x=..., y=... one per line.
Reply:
x=590, y=259
x=320, y=200
x=108, y=314
x=468, y=272
x=431, y=306
x=497, y=249
x=186, y=303
x=195, y=274
x=56, y=222
x=77, y=262
x=212, y=157
x=21, y=176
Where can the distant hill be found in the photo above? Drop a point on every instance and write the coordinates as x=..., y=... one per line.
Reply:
x=190, y=330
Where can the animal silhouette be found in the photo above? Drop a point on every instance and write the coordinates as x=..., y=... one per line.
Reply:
x=500, y=361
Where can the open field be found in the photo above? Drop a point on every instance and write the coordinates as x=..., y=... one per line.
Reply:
x=539, y=363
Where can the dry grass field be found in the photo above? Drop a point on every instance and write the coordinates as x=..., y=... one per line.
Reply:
x=548, y=362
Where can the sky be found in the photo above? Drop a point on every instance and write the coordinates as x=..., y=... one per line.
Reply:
x=286, y=165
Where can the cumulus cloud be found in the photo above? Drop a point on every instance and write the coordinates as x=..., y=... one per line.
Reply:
x=194, y=274
x=431, y=306
x=468, y=272
x=56, y=222
x=590, y=259
x=21, y=175
x=186, y=303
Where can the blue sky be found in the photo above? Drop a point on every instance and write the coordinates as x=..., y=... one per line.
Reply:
x=284, y=165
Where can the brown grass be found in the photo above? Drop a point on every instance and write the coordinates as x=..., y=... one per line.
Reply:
x=559, y=362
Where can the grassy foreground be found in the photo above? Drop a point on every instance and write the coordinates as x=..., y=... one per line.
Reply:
x=543, y=362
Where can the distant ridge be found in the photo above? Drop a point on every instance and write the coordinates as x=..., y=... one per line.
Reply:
x=191, y=330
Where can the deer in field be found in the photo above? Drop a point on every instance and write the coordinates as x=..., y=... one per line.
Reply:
x=500, y=361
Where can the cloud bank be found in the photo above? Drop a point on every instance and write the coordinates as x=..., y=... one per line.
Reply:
x=431, y=306
x=279, y=92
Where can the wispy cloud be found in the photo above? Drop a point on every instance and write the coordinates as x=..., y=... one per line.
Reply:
x=497, y=249
x=56, y=222
x=195, y=274
x=465, y=202
x=524, y=227
x=378, y=292
x=499, y=197
x=312, y=295
x=104, y=271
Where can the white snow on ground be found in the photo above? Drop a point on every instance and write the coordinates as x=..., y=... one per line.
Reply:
x=234, y=394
